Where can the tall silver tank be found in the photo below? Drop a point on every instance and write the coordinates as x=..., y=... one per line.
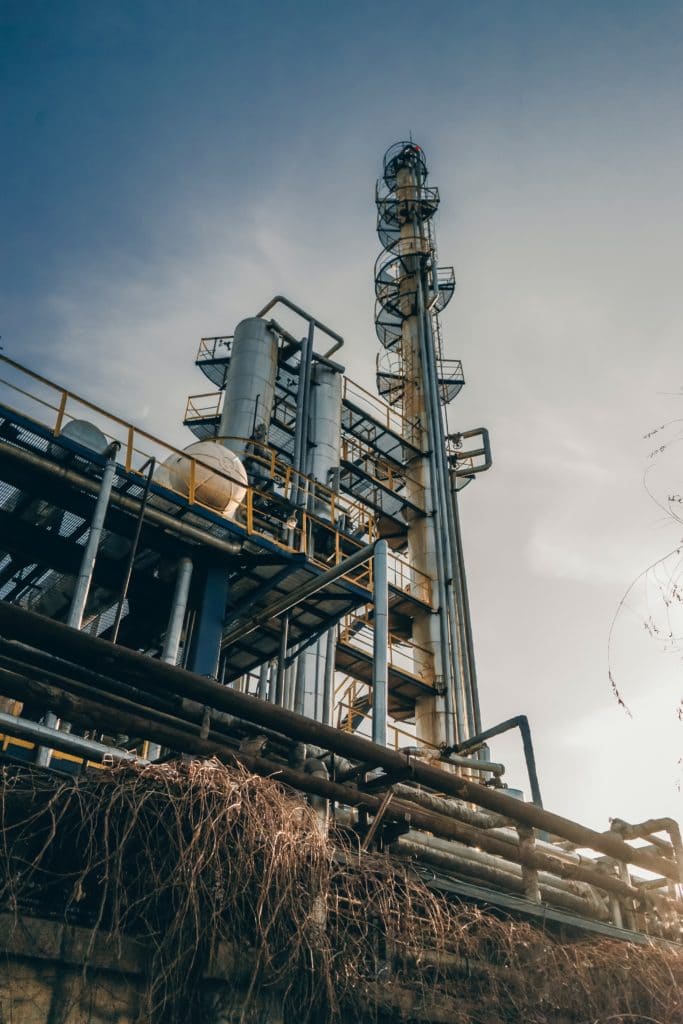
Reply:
x=250, y=384
x=325, y=430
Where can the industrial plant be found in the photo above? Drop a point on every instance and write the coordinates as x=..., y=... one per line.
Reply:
x=245, y=771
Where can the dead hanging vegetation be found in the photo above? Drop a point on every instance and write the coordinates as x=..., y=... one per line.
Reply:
x=193, y=859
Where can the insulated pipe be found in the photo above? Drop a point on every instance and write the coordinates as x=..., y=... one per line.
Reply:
x=647, y=828
x=174, y=629
x=24, y=729
x=263, y=682
x=380, y=644
x=181, y=735
x=132, y=554
x=85, y=574
x=582, y=889
x=328, y=681
x=281, y=662
x=302, y=412
x=33, y=629
x=451, y=807
x=171, y=524
x=508, y=877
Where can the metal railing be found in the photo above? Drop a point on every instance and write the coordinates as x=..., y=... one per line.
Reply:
x=265, y=510
x=349, y=709
x=219, y=347
x=355, y=630
x=382, y=472
x=376, y=409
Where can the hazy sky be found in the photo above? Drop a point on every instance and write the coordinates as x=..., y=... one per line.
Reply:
x=169, y=166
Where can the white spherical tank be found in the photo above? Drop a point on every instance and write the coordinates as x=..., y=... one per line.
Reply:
x=220, y=479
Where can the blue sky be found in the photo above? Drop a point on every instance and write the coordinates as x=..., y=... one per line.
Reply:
x=170, y=166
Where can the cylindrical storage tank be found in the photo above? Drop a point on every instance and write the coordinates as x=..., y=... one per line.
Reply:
x=325, y=430
x=250, y=384
x=220, y=479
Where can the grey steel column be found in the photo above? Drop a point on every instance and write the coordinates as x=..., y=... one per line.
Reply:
x=263, y=681
x=328, y=679
x=174, y=630
x=85, y=574
x=380, y=645
x=280, y=678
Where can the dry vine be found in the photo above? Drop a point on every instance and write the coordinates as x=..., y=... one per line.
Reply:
x=191, y=858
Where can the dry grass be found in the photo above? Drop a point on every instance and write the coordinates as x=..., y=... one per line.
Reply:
x=188, y=857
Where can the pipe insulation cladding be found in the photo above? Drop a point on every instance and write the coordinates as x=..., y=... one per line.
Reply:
x=325, y=430
x=250, y=385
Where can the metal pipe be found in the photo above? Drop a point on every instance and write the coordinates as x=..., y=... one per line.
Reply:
x=466, y=611
x=181, y=735
x=302, y=411
x=483, y=433
x=520, y=722
x=328, y=681
x=170, y=524
x=450, y=807
x=495, y=860
x=380, y=644
x=133, y=552
x=281, y=662
x=450, y=664
x=647, y=828
x=58, y=639
x=85, y=573
x=181, y=594
x=283, y=300
x=495, y=767
x=461, y=663
x=174, y=630
x=263, y=682
x=299, y=670
x=52, y=739
x=487, y=870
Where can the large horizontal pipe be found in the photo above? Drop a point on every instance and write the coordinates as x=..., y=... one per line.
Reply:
x=451, y=807
x=183, y=735
x=457, y=861
x=36, y=630
x=476, y=856
x=24, y=729
x=55, y=470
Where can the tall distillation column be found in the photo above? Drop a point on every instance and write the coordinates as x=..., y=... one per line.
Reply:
x=411, y=290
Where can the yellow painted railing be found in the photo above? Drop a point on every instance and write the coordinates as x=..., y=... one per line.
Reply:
x=355, y=630
x=349, y=524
